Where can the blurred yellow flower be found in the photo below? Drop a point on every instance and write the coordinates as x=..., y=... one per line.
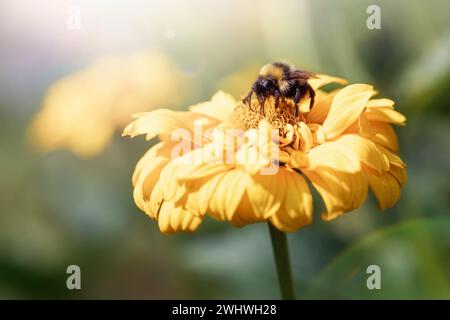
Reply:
x=342, y=147
x=82, y=111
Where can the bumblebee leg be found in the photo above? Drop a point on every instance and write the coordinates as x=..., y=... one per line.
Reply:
x=312, y=95
x=248, y=99
x=262, y=100
x=276, y=95
x=296, y=100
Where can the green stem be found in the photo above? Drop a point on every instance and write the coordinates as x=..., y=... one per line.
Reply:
x=281, y=253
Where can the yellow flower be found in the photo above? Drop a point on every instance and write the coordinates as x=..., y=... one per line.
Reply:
x=82, y=111
x=208, y=160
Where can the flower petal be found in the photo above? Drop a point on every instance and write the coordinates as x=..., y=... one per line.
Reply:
x=146, y=181
x=266, y=193
x=318, y=133
x=385, y=114
x=306, y=137
x=333, y=155
x=228, y=194
x=380, y=103
x=244, y=213
x=198, y=164
x=399, y=174
x=159, y=150
x=319, y=113
x=171, y=189
x=174, y=219
x=200, y=193
x=147, y=172
x=220, y=107
x=156, y=122
x=153, y=206
x=384, y=134
x=340, y=191
x=168, y=123
x=385, y=187
x=367, y=152
x=296, y=210
x=347, y=106
x=324, y=79
x=393, y=158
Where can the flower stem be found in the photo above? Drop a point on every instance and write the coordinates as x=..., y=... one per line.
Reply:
x=281, y=253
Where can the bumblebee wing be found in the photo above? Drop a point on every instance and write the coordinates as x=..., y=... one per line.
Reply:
x=301, y=74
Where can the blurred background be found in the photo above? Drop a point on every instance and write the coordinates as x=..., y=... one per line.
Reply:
x=73, y=71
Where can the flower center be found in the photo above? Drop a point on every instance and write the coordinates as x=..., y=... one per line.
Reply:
x=294, y=134
x=278, y=117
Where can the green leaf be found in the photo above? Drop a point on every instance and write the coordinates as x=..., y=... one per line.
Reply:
x=414, y=258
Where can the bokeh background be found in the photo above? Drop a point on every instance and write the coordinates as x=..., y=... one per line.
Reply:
x=69, y=201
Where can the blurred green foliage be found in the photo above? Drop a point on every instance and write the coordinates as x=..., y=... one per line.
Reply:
x=57, y=209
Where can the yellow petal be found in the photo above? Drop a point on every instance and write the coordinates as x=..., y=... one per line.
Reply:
x=385, y=187
x=324, y=79
x=147, y=173
x=296, y=210
x=153, y=206
x=244, y=213
x=367, y=152
x=194, y=172
x=168, y=123
x=393, y=158
x=347, y=106
x=399, y=174
x=284, y=141
x=197, y=164
x=161, y=149
x=220, y=107
x=228, y=194
x=318, y=133
x=147, y=180
x=261, y=151
x=298, y=160
x=380, y=103
x=174, y=219
x=304, y=104
x=228, y=135
x=200, y=193
x=385, y=114
x=384, y=134
x=284, y=157
x=305, y=136
x=266, y=193
x=340, y=191
x=362, y=126
x=171, y=189
x=156, y=122
x=319, y=113
x=333, y=155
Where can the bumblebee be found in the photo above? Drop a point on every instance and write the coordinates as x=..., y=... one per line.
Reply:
x=281, y=80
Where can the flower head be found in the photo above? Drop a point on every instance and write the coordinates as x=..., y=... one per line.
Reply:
x=227, y=160
x=81, y=111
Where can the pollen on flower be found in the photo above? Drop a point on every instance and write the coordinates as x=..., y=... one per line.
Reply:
x=277, y=117
x=281, y=118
